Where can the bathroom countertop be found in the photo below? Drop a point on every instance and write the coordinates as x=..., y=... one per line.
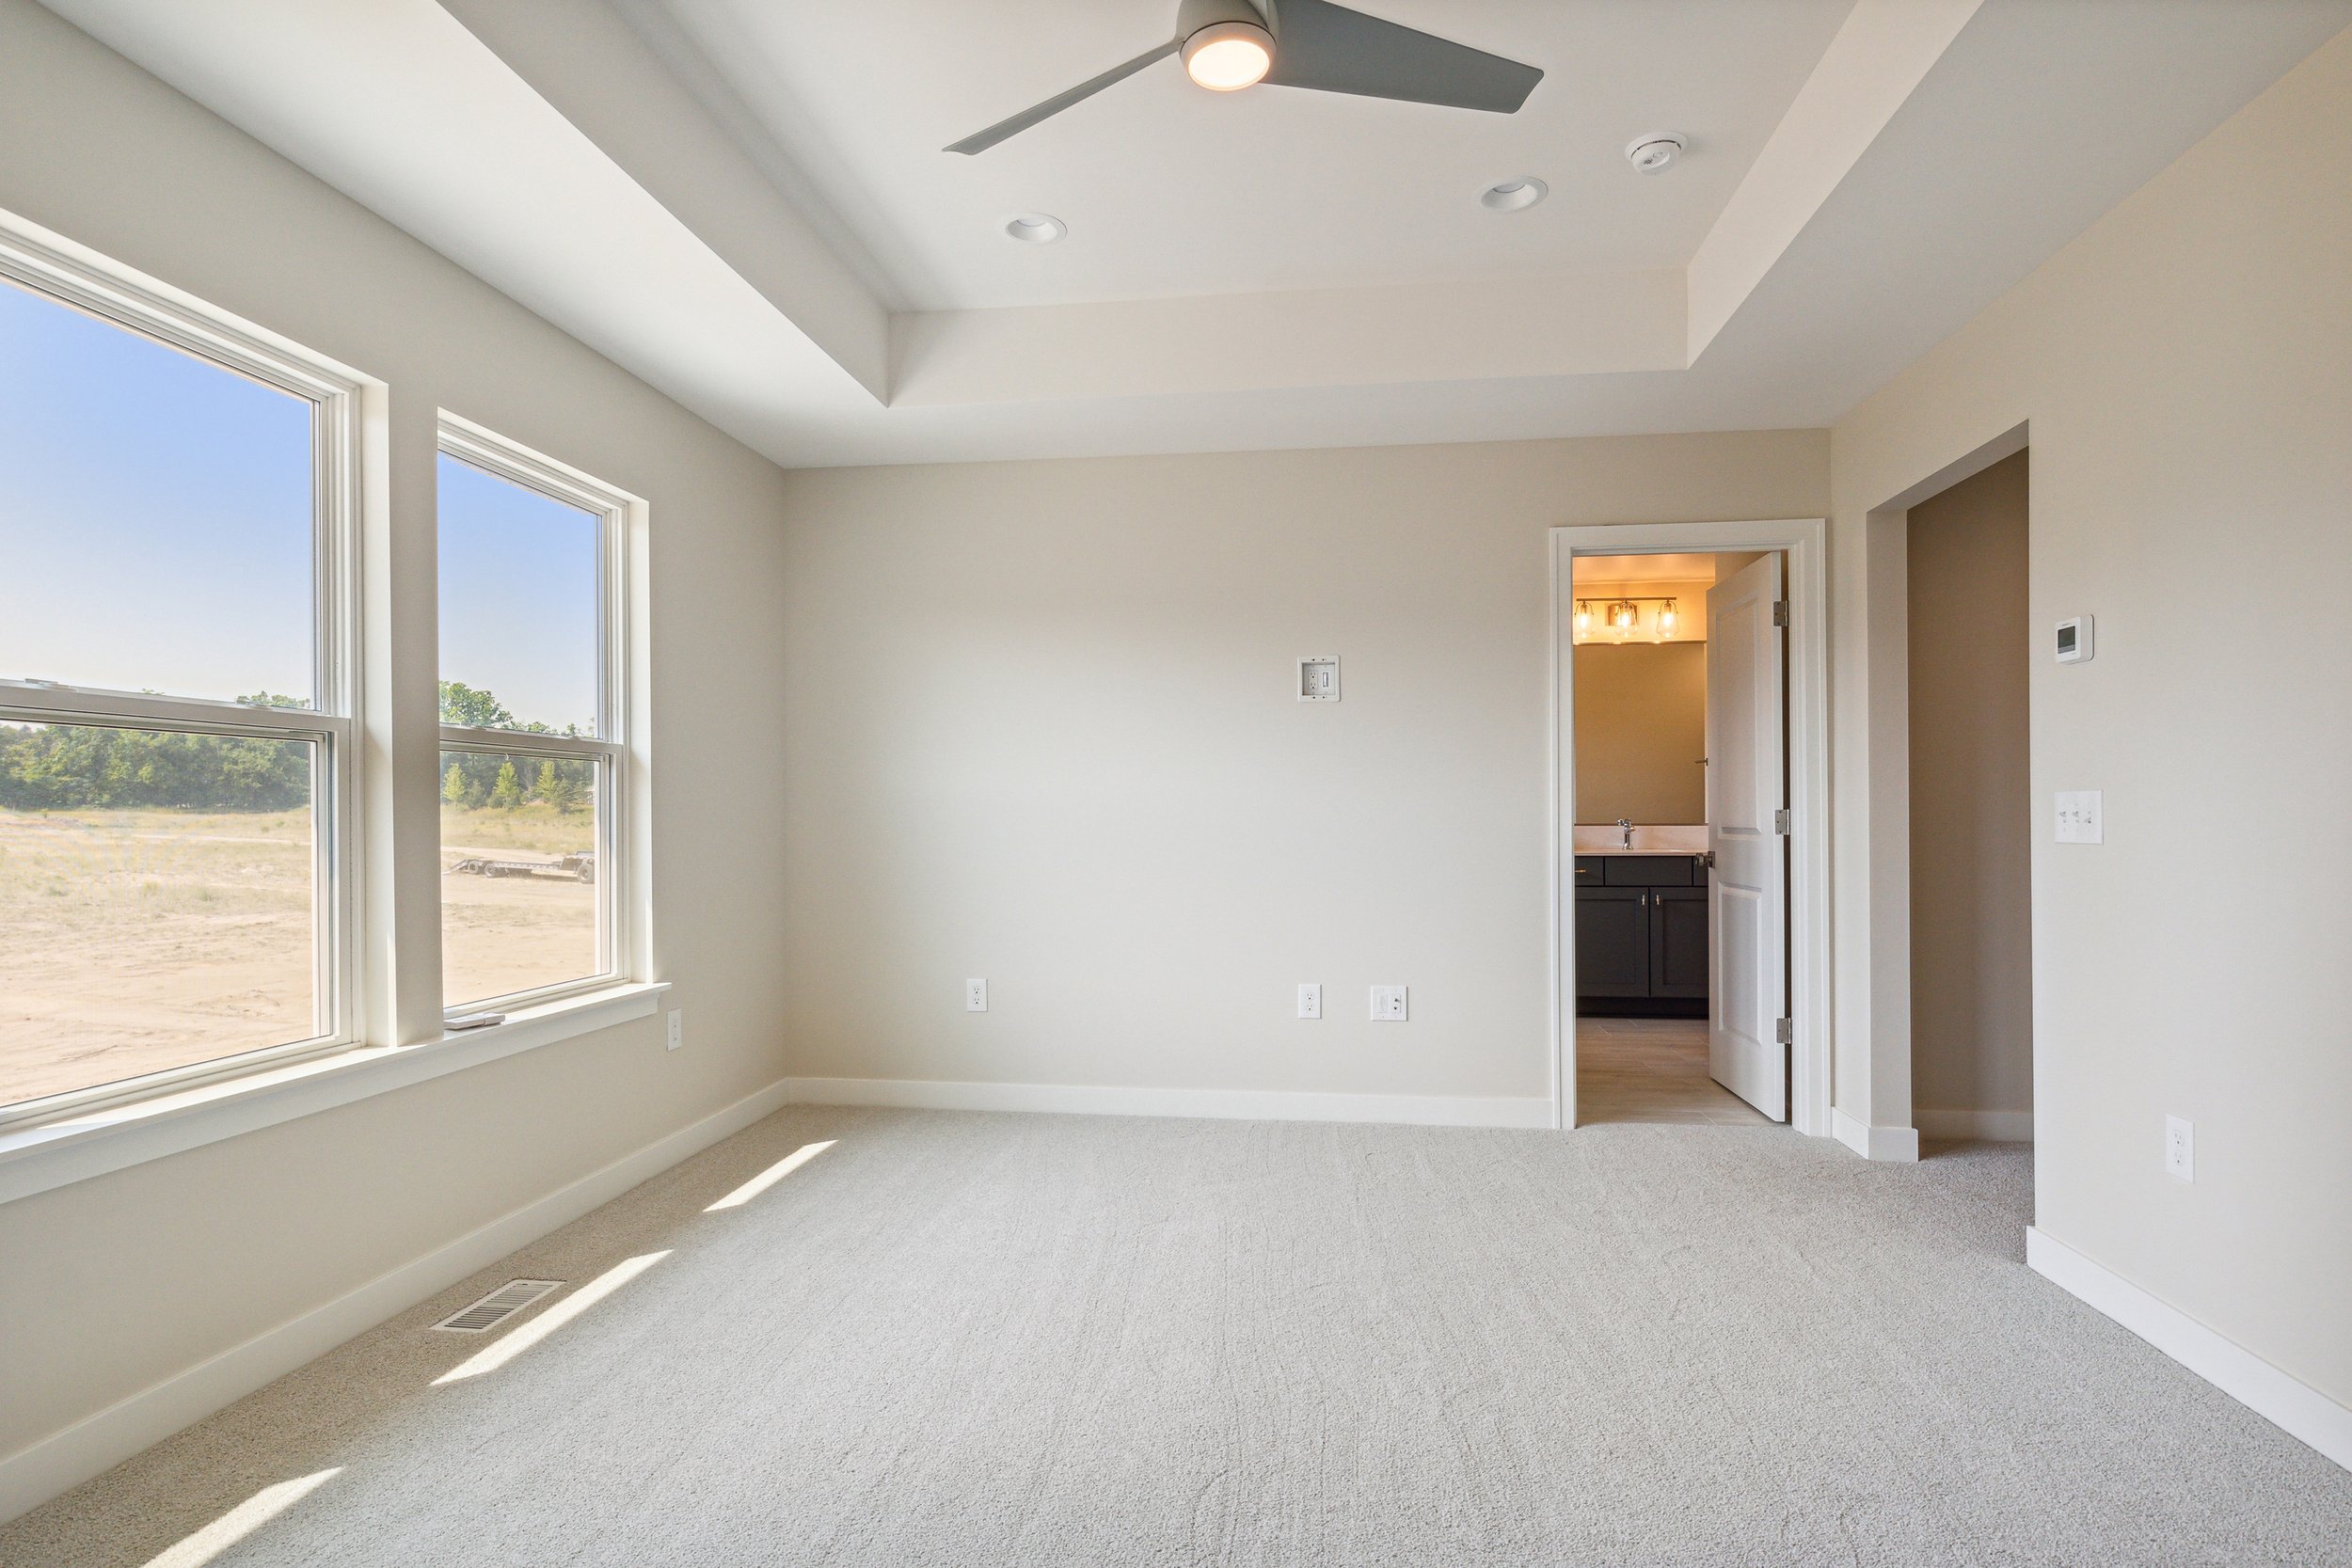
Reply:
x=1649, y=838
x=1638, y=849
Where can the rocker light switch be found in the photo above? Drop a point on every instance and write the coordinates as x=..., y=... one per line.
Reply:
x=1319, y=679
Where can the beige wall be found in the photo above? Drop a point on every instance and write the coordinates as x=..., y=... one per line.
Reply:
x=1971, y=816
x=2185, y=366
x=1044, y=733
x=1641, y=729
x=116, y=1282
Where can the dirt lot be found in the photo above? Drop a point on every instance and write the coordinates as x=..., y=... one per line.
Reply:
x=505, y=934
x=135, y=940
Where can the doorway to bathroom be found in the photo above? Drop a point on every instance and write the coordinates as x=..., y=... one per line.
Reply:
x=1687, y=774
x=1652, y=1044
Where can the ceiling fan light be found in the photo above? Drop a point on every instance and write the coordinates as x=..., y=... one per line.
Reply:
x=1227, y=57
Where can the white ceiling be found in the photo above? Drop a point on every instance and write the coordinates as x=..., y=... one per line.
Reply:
x=791, y=255
x=1171, y=190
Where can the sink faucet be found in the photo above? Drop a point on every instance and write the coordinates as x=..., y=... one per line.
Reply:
x=1627, y=828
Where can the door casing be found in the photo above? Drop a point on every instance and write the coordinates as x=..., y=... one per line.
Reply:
x=1803, y=542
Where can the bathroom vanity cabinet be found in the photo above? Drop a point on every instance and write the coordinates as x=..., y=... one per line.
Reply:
x=1641, y=934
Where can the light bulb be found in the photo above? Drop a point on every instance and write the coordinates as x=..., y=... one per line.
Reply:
x=1622, y=617
x=1583, y=616
x=1229, y=56
x=1666, y=617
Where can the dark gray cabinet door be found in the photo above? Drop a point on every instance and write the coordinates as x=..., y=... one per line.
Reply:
x=1613, y=942
x=1677, y=942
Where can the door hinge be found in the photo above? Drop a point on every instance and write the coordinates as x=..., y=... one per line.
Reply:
x=1784, y=822
x=1783, y=1031
x=1780, y=613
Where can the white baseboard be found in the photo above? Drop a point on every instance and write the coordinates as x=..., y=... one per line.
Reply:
x=98, y=1443
x=1900, y=1145
x=1999, y=1127
x=2294, y=1406
x=1235, y=1105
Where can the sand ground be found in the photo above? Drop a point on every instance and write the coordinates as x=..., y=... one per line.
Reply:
x=132, y=941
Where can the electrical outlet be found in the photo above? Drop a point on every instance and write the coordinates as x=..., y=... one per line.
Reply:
x=676, y=1022
x=2078, y=817
x=1389, y=1004
x=2180, y=1148
x=1310, y=1000
x=975, y=996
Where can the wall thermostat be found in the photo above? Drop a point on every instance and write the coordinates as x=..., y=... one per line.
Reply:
x=2073, y=639
x=1319, y=679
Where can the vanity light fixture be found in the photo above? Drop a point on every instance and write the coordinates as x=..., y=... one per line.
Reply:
x=1623, y=616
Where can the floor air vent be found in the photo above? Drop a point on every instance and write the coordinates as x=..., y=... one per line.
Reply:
x=499, y=1306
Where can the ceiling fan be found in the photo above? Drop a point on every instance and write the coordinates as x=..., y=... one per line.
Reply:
x=1230, y=44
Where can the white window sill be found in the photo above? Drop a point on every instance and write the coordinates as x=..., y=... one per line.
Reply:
x=76, y=1148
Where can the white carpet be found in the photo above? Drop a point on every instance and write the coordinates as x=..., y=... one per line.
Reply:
x=975, y=1339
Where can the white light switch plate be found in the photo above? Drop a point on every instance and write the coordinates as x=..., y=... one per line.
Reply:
x=2078, y=817
x=975, y=996
x=1310, y=1000
x=677, y=1023
x=2180, y=1148
x=1389, y=1004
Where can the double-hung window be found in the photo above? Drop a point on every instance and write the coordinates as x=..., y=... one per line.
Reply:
x=178, y=692
x=534, y=785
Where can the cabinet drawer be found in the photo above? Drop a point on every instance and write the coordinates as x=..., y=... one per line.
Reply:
x=1588, y=870
x=1647, y=870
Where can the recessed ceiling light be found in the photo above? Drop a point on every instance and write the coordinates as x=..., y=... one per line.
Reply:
x=1514, y=195
x=1037, y=229
x=1656, y=153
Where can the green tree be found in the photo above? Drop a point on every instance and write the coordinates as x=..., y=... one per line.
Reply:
x=508, y=792
x=558, y=787
x=477, y=709
x=74, y=767
x=454, y=787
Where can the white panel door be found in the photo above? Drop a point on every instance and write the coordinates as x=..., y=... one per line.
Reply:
x=1747, y=897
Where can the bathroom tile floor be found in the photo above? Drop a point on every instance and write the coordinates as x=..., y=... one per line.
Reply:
x=1651, y=1069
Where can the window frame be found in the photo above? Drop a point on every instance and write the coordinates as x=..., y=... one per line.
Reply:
x=333, y=723
x=619, y=926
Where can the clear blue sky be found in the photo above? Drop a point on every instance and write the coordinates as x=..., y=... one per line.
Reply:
x=154, y=514
x=156, y=532
x=519, y=596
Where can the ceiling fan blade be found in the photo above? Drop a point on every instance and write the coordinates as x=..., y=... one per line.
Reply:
x=1332, y=49
x=981, y=141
